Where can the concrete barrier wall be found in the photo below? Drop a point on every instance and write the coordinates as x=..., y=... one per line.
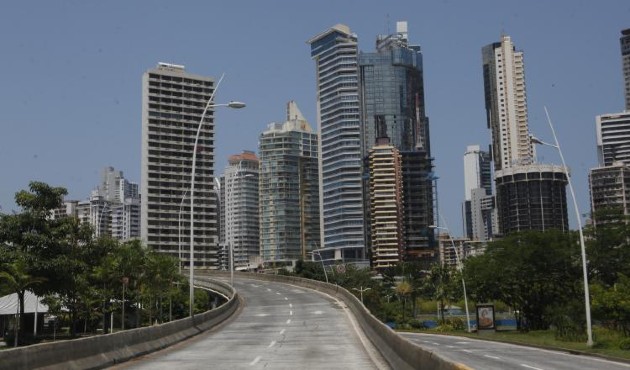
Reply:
x=398, y=351
x=104, y=350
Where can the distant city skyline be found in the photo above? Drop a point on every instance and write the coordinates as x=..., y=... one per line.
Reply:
x=71, y=95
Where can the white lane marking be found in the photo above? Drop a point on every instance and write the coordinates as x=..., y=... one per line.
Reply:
x=273, y=343
x=286, y=299
x=255, y=286
x=494, y=357
x=269, y=289
x=467, y=351
x=290, y=313
x=262, y=314
x=290, y=305
x=255, y=361
x=450, y=346
x=278, y=293
x=461, y=342
x=282, y=331
x=288, y=321
x=318, y=312
x=531, y=367
x=435, y=343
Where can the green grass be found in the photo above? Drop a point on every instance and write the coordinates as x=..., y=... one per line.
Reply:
x=606, y=341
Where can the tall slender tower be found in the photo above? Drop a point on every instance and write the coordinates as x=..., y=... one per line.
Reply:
x=506, y=104
x=393, y=107
x=386, y=205
x=172, y=104
x=625, y=57
x=241, y=208
x=289, y=189
x=335, y=53
x=529, y=196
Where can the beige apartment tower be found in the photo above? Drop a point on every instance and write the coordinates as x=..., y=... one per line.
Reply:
x=173, y=101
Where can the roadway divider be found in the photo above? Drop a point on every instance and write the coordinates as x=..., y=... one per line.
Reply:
x=397, y=350
x=101, y=351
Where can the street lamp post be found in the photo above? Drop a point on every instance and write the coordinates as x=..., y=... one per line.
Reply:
x=460, y=267
x=587, y=303
x=361, y=290
x=191, y=263
x=322, y=261
x=181, y=205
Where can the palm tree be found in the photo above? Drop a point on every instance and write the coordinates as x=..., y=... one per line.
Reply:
x=18, y=281
x=403, y=289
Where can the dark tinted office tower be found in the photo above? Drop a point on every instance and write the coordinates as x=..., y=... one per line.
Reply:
x=392, y=106
x=335, y=54
x=173, y=101
x=625, y=57
x=532, y=197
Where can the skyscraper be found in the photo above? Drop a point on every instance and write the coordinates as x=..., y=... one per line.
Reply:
x=506, y=104
x=610, y=182
x=289, y=189
x=393, y=107
x=625, y=57
x=335, y=53
x=241, y=208
x=173, y=101
x=613, y=138
x=529, y=196
x=386, y=205
x=478, y=208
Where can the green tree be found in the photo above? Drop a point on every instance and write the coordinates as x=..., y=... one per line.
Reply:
x=18, y=280
x=530, y=271
x=611, y=304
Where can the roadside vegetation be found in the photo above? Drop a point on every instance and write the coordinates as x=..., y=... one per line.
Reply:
x=82, y=278
x=534, y=278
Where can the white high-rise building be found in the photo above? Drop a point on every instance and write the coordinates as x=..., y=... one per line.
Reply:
x=173, y=102
x=335, y=52
x=613, y=138
x=242, y=222
x=479, y=213
x=506, y=104
x=625, y=58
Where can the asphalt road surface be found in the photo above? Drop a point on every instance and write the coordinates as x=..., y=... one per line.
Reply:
x=487, y=355
x=280, y=327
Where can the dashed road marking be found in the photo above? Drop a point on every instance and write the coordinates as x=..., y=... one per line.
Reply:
x=531, y=367
x=273, y=343
x=282, y=331
x=494, y=357
x=288, y=321
x=255, y=361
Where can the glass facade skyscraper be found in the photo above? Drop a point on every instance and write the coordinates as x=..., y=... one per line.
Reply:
x=335, y=52
x=392, y=106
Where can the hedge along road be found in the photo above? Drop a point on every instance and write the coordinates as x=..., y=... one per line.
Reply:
x=280, y=327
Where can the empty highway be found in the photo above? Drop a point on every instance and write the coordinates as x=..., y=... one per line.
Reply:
x=279, y=327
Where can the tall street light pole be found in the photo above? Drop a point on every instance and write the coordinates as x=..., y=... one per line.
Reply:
x=181, y=205
x=460, y=267
x=232, y=104
x=587, y=301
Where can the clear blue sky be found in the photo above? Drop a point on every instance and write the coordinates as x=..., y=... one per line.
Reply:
x=70, y=76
